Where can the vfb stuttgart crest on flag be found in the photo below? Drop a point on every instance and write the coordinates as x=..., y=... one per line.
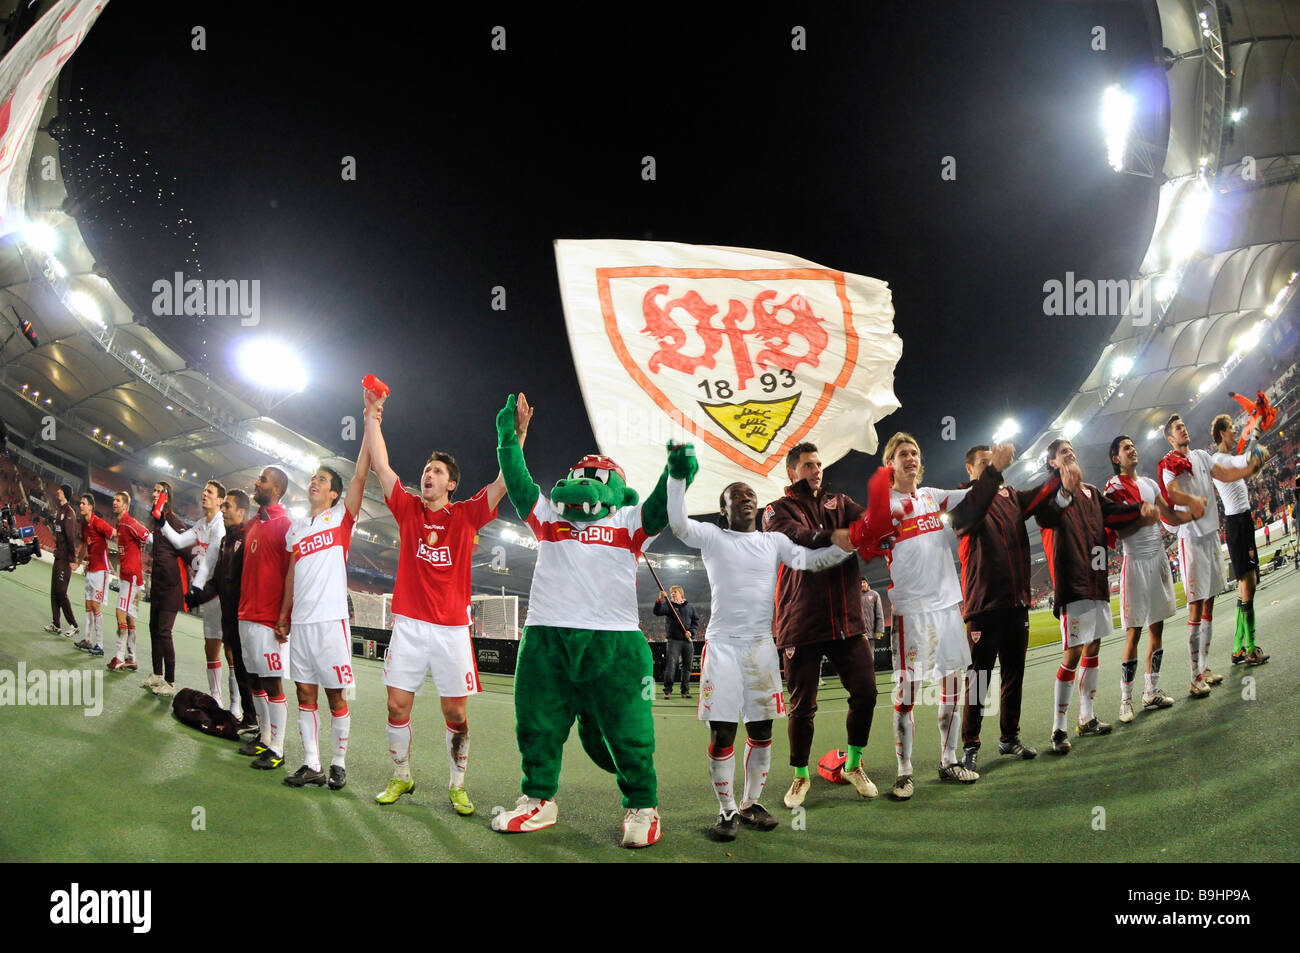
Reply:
x=742, y=352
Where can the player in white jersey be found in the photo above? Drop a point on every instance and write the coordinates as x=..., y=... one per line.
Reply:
x=1186, y=475
x=1146, y=584
x=205, y=536
x=316, y=598
x=1239, y=527
x=929, y=635
x=740, y=673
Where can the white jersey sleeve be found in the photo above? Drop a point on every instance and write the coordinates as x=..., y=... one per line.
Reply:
x=693, y=533
x=809, y=560
x=181, y=540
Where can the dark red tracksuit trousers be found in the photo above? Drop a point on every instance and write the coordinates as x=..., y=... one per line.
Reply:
x=1003, y=638
x=853, y=659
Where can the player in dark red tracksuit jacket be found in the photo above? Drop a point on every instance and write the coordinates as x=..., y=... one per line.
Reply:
x=224, y=583
x=1074, y=538
x=820, y=614
x=167, y=585
x=994, y=551
x=65, y=554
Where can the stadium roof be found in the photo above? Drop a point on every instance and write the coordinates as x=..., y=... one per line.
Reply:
x=1227, y=236
x=119, y=397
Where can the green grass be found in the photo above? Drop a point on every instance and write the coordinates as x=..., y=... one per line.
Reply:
x=1205, y=780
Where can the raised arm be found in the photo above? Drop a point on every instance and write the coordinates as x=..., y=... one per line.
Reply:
x=374, y=444
x=970, y=510
x=356, y=491
x=523, y=417
x=1240, y=467
x=520, y=487
x=180, y=540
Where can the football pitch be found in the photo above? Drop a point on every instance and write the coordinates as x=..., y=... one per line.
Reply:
x=1206, y=780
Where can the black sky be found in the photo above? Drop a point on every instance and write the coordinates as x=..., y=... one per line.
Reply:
x=470, y=162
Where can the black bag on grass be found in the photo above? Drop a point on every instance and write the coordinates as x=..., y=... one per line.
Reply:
x=201, y=711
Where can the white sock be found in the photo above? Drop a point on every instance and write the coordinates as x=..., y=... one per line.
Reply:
x=279, y=710
x=97, y=630
x=1153, y=676
x=457, y=752
x=1127, y=672
x=758, y=761
x=1061, y=695
x=1194, y=647
x=130, y=641
x=263, y=716
x=309, y=730
x=214, y=681
x=722, y=770
x=903, y=728
x=1205, y=643
x=120, y=651
x=949, y=729
x=236, y=704
x=399, y=746
x=1088, y=680
x=341, y=723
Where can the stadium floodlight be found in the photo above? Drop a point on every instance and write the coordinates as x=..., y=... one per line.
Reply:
x=86, y=307
x=1008, y=429
x=271, y=365
x=1116, y=120
x=298, y=511
x=1121, y=366
x=508, y=534
x=1239, y=114
x=1071, y=428
x=41, y=236
x=1208, y=384
x=160, y=463
x=1154, y=432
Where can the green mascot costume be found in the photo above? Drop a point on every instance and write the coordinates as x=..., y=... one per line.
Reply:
x=582, y=656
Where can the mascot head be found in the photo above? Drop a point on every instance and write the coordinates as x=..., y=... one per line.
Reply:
x=595, y=488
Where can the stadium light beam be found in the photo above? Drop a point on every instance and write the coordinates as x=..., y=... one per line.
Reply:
x=1116, y=120
x=86, y=307
x=1071, y=429
x=271, y=365
x=41, y=236
x=1008, y=429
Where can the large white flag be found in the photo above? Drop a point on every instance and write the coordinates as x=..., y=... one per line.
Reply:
x=26, y=75
x=742, y=352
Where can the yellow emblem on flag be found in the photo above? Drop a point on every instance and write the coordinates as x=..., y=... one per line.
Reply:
x=755, y=423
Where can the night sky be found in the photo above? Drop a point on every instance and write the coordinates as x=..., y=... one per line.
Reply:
x=471, y=162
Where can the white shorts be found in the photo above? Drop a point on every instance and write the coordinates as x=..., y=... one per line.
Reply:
x=740, y=679
x=322, y=653
x=210, y=613
x=1085, y=621
x=1146, y=591
x=1202, y=565
x=929, y=645
x=127, y=589
x=417, y=648
x=264, y=655
x=97, y=587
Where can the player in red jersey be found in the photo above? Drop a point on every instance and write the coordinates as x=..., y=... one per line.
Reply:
x=431, y=601
x=95, y=534
x=316, y=593
x=131, y=536
x=266, y=654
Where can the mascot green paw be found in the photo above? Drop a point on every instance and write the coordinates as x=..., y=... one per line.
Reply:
x=506, y=423
x=595, y=488
x=682, y=464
